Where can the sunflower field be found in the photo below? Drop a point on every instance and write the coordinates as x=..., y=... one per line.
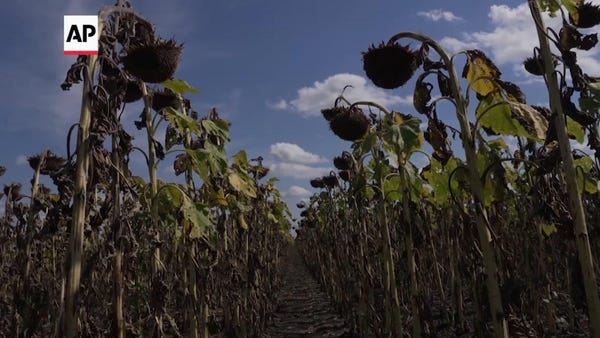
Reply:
x=496, y=236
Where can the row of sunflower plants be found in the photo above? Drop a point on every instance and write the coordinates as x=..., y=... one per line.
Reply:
x=479, y=246
x=100, y=251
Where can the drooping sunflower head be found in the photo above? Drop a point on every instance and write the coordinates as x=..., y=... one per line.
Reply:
x=153, y=62
x=350, y=125
x=390, y=65
x=588, y=15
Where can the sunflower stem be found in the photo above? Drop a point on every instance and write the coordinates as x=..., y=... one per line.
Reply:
x=74, y=257
x=485, y=239
x=570, y=176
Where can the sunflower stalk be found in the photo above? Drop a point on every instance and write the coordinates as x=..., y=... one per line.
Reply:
x=412, y=266
x=23, y=287
x=117, y=227
x=570, y=175
x=155, y=221
x=74, y=257
x=191, y=273
x=485, y=238
x=393, y=316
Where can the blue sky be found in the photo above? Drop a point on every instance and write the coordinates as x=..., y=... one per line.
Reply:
x=268, y=66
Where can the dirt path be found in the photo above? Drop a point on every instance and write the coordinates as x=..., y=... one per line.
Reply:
x=303, y=309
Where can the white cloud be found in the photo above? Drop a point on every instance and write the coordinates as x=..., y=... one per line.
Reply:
x=322, y=94
x=438, y=14
x=297, y=170
x=513, y=38
x=279, y=105
x=22, y=160
x=298, y=191
x=290, y=152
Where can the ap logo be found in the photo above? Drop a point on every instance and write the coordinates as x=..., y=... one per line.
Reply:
x=81, y=35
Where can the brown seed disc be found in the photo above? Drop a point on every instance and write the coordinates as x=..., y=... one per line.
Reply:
x=350, y=125
x=589, y=15
x=330, y=181
x=342, y=163
x=390, y=66
x=330, y=113
x=317, y=183
x=534, y=66
x=344, y=175
x=163, y=99
x=133, y=92
x=52, y=163
x=154, y=62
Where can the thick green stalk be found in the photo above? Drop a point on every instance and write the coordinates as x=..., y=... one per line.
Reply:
x=412, y=267
x=192, y=282
x=468, y=143
x=152, y=171
x=570, y=173
x=117, y=228
x=393, y=323
x=74, y=257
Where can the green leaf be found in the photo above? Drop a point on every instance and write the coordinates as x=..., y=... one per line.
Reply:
x=217, y=159
x=549, y=6
x=218, y=128
x=529, y=118
x=575, y=130
x=589, y=100
x=413, y=181
x=241, y=160
x=571, y=6
x=401, y=137
x=498, y=144
x=197, y=222
x=583, y=167
x=181, y=122
x=594, y=87
x=244, y=186
x=511, y=118
x=481, y=72
x=548, y=229
x=438, y=176
x=368, y=143
x=199, y=162
x=392, y=188
x=180, y=87
x=170, y=197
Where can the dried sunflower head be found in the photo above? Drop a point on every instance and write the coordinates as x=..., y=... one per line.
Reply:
x=330, y=180
x=51, y=164
x=588, y=15
x=345, y=175
x=133, y=92
x=163, y=99
x=330, y=113
x=589, y=41
x=153, y=62
x=350, y=125
x=342, y=162
x=317, y=183
x=534, y=65
x=390, y=65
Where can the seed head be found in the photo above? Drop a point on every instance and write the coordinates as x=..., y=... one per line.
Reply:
x=588, y=15
x=390, y=66
x=350, y=125
x=153, y=62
